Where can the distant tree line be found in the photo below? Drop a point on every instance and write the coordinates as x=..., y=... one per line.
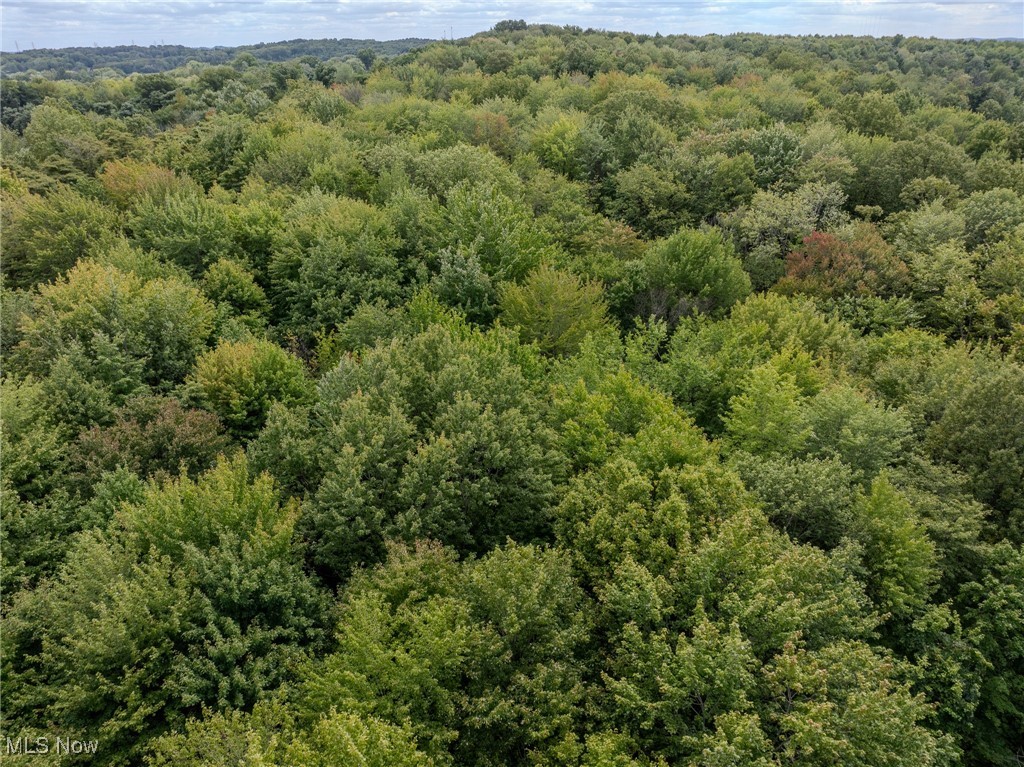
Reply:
x=80, y=62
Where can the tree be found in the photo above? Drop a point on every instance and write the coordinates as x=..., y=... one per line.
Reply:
x=867, y=716
x=239, y=381
x=978, y=432
x=923, y=229
x=120, y=328
x=776, y=153
x=526, y=599
x=646, y=502
x=706, y=361
x=344, y=738
x=637, y=135
x=60, y=138
x=844, y=424
x=718, y=183
x=33, y=440
x=128, y=182
x=598, y=403
x=765, y=418
x=151, y=436
x=763, y=659
x=554, y=308
x=703, y=675
x=995, y=608
x=558, y=142
x=497, y=229
x=690, y=272
x=332, y=254
x=768, y=228
x=184, y=228
x=45, y=237
x=861, y=262
x=992, y=215
x=462, y=283
x=510, y=25
x=367, y=56
x=438, y=434
x=811, y=499
x=230, y=739
x=873, y=114
x=155, y=91
x=943, y=281
x=651, y=200
x=192, y=597
x=477, y=659
x=233, y=288
x=898, y=556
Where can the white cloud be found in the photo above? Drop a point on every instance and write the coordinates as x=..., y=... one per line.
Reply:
x=57, y=23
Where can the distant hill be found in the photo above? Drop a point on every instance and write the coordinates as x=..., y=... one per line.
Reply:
x=66, y=62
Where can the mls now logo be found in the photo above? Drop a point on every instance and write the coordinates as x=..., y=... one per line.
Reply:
x=27, y=746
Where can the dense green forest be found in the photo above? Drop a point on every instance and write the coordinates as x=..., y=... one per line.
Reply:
x=549, y=397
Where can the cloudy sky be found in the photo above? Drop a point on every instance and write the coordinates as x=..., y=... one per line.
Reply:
x=58, y=23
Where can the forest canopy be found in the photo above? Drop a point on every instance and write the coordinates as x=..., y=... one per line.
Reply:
x=545, y=397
